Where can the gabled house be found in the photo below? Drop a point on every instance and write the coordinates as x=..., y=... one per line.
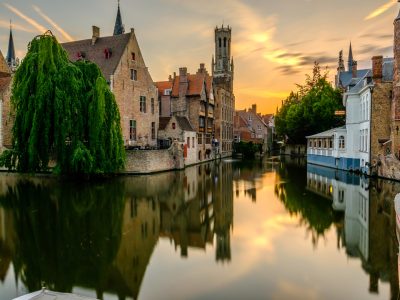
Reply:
x=179, y=129
x=192, y=97
x=121, y=62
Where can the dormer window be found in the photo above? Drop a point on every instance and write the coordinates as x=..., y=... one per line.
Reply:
x=107, y=53
x=133, y=56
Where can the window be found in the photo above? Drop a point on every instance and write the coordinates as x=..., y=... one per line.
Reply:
x=134, y=74
x=188, y=142
x=202, y=122
x=200, y=139
x=143, y=104
x=133, y=56
x=220, y=42
x=192, y=142
x=341, y=142
x=153, y=130
x=152, y=106
x=331, y=143
x=225, y=42
x=173, y=125
x=132, y=130
x=310, y=143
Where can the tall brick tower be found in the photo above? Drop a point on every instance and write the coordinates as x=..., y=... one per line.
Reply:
x=396, y=89
x=223, y=73
x=223, y=65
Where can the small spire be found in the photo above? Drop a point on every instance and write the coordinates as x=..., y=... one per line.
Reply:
x=11, y=49
x=119, y=27
x=351, y=60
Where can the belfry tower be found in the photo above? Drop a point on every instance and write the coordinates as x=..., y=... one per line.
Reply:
x=222, y=64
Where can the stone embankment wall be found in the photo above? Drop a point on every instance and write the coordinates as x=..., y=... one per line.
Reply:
x=151, y=161
x=386, y=167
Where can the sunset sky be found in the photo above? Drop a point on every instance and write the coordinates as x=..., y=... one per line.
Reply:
x=274, y=42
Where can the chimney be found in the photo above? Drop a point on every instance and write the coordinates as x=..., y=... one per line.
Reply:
x=183, y=82
x=254, y=108
x=183, y=74
x=170, y=78
x=95, y=34
x=377, y=62
x=174, y=75
x=354, y=69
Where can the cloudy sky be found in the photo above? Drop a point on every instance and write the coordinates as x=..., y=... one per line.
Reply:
x=274, y=42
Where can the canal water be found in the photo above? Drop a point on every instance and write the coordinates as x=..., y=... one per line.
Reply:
x=227, y=230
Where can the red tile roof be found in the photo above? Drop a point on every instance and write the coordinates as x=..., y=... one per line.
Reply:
x=162, y=86
x=195, y=85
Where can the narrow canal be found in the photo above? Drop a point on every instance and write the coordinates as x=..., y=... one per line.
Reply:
x=230, y=230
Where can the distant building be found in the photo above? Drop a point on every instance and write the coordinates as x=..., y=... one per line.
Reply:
x=12, y=60
x=122, y=64
x=343, y=78
x=223, y=75
x=250, y=127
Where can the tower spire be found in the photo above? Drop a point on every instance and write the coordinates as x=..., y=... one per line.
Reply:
x=119, y=27
x=351, y=60
x=11, y=50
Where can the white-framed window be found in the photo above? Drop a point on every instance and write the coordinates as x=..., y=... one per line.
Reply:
x=342, y=144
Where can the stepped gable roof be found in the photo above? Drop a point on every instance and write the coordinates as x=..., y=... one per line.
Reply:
x=162, y=86
x=95, y=53
x=184, y=124
x=3, y=65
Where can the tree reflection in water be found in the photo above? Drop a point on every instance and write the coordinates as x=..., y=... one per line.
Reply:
x=315, y=212
x=67, y=233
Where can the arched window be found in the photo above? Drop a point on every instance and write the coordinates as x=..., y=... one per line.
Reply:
x=220, y=42
x=224, y=42
x=342, y=144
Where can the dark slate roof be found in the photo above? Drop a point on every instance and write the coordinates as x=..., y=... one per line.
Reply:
x=95, y=53
x=184, y=124
x=345, y=78
x=388, y=69
x=163, y=122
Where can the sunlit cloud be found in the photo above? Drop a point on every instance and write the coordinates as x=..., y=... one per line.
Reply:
x=380, y=10
x=27, y=19
x=15, y=26
x=54, y=24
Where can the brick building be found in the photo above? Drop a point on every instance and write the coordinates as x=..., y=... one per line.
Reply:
x=192, y=97
x=223, y=75
x=122, y=64
x=250, y=127
x=7, y=66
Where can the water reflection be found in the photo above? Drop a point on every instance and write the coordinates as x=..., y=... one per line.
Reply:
x=367, y=229
x=101, y=236
x=114, y=238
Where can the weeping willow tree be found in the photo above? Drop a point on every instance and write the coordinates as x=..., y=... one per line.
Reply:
x=64, y=112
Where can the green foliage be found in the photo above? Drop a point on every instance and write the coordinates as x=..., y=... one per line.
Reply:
x=248, y=150
x=63, y=112
x=309, y=110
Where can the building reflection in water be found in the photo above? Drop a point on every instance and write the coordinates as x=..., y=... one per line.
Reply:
x=367, y=229
x=101, y=236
